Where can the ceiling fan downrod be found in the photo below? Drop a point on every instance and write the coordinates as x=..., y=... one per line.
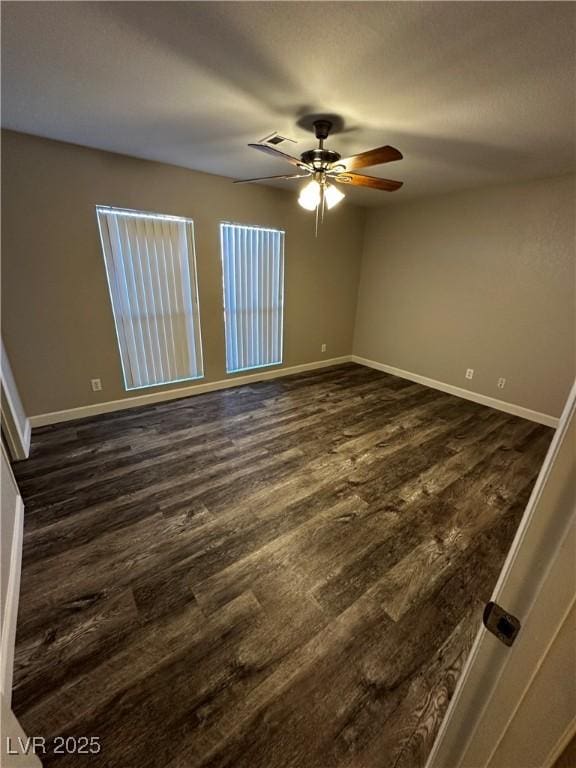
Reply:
x=321, y=159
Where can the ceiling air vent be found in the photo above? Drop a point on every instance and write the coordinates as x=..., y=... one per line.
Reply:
x=275, y=139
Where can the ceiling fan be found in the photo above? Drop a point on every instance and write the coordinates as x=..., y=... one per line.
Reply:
x=326, y=166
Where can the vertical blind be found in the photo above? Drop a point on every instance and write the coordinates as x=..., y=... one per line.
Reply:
x=151, y=270
x=253, y=283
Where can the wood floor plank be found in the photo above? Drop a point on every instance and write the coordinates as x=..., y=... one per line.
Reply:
x=283, y=575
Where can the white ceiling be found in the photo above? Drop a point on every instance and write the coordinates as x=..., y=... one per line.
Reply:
x=471, y=93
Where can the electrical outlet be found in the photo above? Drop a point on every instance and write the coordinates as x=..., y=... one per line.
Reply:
x=96, y=385
x=501, y=383
x=323, y=348
x=469, y=373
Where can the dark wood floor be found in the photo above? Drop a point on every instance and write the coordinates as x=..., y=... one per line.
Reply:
x=284, y=575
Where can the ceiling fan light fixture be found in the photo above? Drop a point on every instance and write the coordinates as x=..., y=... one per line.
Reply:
x=310, y=196
x=332, y=195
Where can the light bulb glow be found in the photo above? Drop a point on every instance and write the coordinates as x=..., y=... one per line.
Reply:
x=332, y=195
x=310, y=196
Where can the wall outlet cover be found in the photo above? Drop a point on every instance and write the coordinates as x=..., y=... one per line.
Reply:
x=469, y=373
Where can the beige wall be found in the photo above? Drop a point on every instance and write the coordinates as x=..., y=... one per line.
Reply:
x=482, y=279
x=56, y=318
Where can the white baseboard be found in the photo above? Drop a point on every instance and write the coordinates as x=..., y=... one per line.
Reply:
x=149, y=398
x=8, y=638
x=84, y=411
x=492, y=402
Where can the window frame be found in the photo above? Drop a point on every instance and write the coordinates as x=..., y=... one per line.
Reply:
x=194, y=287
x=282, y=293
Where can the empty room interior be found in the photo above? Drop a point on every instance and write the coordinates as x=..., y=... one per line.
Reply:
x=288, y=359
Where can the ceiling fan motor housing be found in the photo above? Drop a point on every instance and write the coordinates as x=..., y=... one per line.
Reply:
x=320, y=158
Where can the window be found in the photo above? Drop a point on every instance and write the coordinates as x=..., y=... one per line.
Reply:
x=151, y=270
x=253, y=281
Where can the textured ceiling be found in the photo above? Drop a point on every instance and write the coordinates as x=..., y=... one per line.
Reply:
x=471, y=93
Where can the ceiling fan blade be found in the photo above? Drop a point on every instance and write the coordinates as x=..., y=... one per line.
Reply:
x=371, y=157
x=266, y=178
x=280, y=155
x=359, y=180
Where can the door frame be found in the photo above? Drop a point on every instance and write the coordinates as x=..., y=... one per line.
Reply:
x=14, y=422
